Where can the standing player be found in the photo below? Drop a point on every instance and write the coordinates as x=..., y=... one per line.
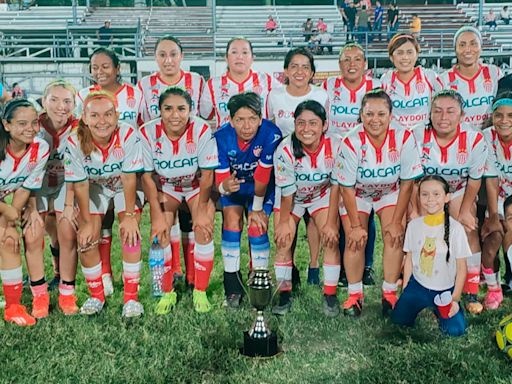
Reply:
x=23, y=157
x=101, y=160
x=105, y=70
x=168, y=56
x=180, y=149
x=238, y=78
x=458, y=153
x=246, y=148
x=410, y=88
x=476, y=82
x=57, y=213
x=303, y=164
x=377, y=166
x=299, y=69
x=346, y=91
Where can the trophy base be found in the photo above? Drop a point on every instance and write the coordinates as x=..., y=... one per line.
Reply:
x=260, y=347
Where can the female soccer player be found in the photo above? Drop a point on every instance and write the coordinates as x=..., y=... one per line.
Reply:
x=499, y=188
x=105, y=68
x=179, y=147
x=246, y=151
x=377, y=166
x=450, y=149
x=303, y=163
x=476, y=82
x=55, y=207
x=410, y=88
x=101, y=160
x=169, y=55
x=346, y=91
x=299, y=69
x=436, y=250
x=238, y=78
x=23, y=158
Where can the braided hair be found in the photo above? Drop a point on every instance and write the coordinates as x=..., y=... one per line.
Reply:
x=446, y=189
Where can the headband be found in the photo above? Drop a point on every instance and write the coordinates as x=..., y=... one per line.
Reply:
x=505, y=102
x=15, y=104
x=97, y=96
x=467, y=28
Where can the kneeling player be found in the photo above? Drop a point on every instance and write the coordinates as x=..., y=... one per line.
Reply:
x=246, y=148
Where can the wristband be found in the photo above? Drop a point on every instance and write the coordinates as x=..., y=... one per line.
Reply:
x=257, y=203
x=222, y=191
x=130, y=214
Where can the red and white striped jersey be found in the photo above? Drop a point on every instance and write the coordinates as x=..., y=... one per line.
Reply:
x=177, y=163
x=218, y=91
x=377, y=171
x=153, y=86
x=129, y=103
x=344, y=103
x=412, y=100
x=499, y=161
x=478, y=92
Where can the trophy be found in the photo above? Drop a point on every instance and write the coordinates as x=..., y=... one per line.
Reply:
x=260, y=340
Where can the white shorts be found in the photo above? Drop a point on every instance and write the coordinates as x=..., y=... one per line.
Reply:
x=457, y=194
x=366, y=205
x=101, y=199
x=299, y=209
x=180, y=196
x=51, y=202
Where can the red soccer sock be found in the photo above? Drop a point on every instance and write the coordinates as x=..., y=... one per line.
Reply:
x=94, y=282
x=104, y=247
x=188, y=244
x=131, y=277
x=472, y=283
x=175, y=247
x=168, y=273
x=12, y=285
x=203, y=265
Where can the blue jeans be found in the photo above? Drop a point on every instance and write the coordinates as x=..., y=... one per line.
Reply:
x=393, y=30
x=377, y=29
x=414, y=299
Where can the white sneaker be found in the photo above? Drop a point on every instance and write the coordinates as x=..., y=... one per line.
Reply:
x=92, y=306
x=132, y=308
x=108, y=286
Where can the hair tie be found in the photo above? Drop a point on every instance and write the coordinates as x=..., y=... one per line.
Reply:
x=505, y=102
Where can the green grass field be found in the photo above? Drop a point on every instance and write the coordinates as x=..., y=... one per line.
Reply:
x=186, y=347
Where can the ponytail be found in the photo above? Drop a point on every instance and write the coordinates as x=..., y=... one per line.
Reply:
x=447, y=231
x=298, y=151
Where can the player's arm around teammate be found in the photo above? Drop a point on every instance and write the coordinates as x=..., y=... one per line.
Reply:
x=101, y=160
x=246, y=151
x=23, y=158
x=303, y=165
x=379, y=162
x=180, y=149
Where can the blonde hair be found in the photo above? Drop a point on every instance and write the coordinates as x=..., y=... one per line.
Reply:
x=83, y=132
x=59, y=83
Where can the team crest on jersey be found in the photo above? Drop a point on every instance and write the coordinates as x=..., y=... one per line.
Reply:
x=488, y=85
x=257, y=89
x=257, y=150
x=393, y=155
x=462, y=157
x=420, y=87
x=131, y=102
x=191, y=148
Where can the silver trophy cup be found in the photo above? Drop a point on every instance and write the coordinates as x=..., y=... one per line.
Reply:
x=260, y=340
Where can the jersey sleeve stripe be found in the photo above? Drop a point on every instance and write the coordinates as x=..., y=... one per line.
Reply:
x=478, y=138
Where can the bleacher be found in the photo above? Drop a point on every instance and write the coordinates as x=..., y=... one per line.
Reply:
x=502, y=36
x=40, y=18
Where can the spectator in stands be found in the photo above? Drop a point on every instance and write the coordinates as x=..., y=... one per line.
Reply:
x=415, y=26
x=307, y=29
x=351, y=13
x=377, y=20
x=18, y=92
x=362, y=25
x=343, y=5
x=270, y=25
x=104, y=34
x=490, y=20
x=321, y=26
x=325, y=41
x=505, y=15
x=393, y=20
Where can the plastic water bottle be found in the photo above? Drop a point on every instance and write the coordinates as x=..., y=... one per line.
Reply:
x=156, y=268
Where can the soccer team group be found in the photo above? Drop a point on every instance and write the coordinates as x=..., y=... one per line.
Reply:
x=415, y=148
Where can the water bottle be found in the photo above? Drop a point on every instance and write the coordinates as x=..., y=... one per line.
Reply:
x=156, y=268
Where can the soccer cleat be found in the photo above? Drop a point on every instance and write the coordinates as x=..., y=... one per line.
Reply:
x=108, y=285
x=17, y=314
x=67, y=304
x=331, y=306
x=389, y=300
x=342, y=281
x=92, y=306
x=493, y=299
x=368, y=276
x=233, y=300
x=314, y=276
x=353, y=306
x=132, y=308
x=201, y=303
x=166, y=303
x=473, y=305
x=40, y=306
x=285, y=304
